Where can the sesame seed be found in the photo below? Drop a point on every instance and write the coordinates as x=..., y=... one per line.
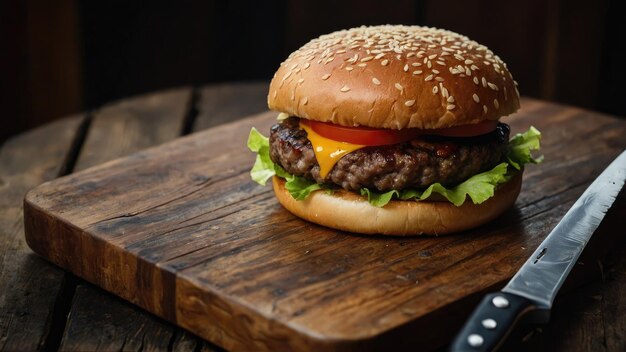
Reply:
x=362, y=64
x=305, y=100
x=436, y=71
x=300, y=80
x=345, y=89
x=435, y=90
x=450, y=99
x=485, y=108
x=409, y=102
x=444, y=92
x=363, y=44
x=399, y=86
x=325, y=77
x=476, y=98
x=428, y=78
x=496, y=104
x=450, y=106
x=375, y=81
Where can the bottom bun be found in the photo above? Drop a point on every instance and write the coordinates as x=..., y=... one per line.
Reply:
x=348, y=211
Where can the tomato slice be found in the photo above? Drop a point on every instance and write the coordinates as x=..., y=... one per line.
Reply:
x=376, y=136
x=361, y=135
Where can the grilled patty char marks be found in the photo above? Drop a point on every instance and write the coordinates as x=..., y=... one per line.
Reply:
x=414, y=164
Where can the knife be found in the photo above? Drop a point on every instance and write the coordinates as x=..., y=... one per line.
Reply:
x=531, y=292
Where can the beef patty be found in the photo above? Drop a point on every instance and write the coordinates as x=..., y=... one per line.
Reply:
x=414, y=164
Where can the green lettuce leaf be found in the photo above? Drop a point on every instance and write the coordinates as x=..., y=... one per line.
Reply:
x=264, y=168
x=520, y=147
x=379, y=199
x=300, y=187
x=478, y=188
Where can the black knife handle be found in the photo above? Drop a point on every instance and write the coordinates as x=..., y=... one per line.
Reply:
x=491, y=322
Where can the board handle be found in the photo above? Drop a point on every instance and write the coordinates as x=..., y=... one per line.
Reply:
x=491, y=322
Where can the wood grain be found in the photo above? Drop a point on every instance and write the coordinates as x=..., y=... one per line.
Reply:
x=181, y=231
x=98, y=320
x=120, y=326
x=614, y=304
x=130, y=125
x=228, y=102
x=29, y=286
x=117, y=130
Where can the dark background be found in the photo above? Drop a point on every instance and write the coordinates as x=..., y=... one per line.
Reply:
x=62, y=57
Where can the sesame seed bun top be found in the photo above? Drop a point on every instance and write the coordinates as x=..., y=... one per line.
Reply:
x=394, y=77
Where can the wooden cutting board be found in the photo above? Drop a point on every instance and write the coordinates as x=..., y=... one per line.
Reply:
x=183, y=232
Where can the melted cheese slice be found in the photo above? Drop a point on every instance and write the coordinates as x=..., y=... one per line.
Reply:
x=328, y=151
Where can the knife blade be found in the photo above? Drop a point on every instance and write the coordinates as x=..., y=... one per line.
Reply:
x=532, y=290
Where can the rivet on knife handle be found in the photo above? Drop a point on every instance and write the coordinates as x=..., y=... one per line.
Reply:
x=491, y=322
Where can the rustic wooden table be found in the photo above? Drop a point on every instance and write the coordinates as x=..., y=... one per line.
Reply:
x=44, y=308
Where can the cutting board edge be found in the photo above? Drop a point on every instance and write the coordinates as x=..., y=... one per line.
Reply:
x=38, y=223
x=41, y=209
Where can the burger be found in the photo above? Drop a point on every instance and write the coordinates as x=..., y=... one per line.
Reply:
x=393, y=130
